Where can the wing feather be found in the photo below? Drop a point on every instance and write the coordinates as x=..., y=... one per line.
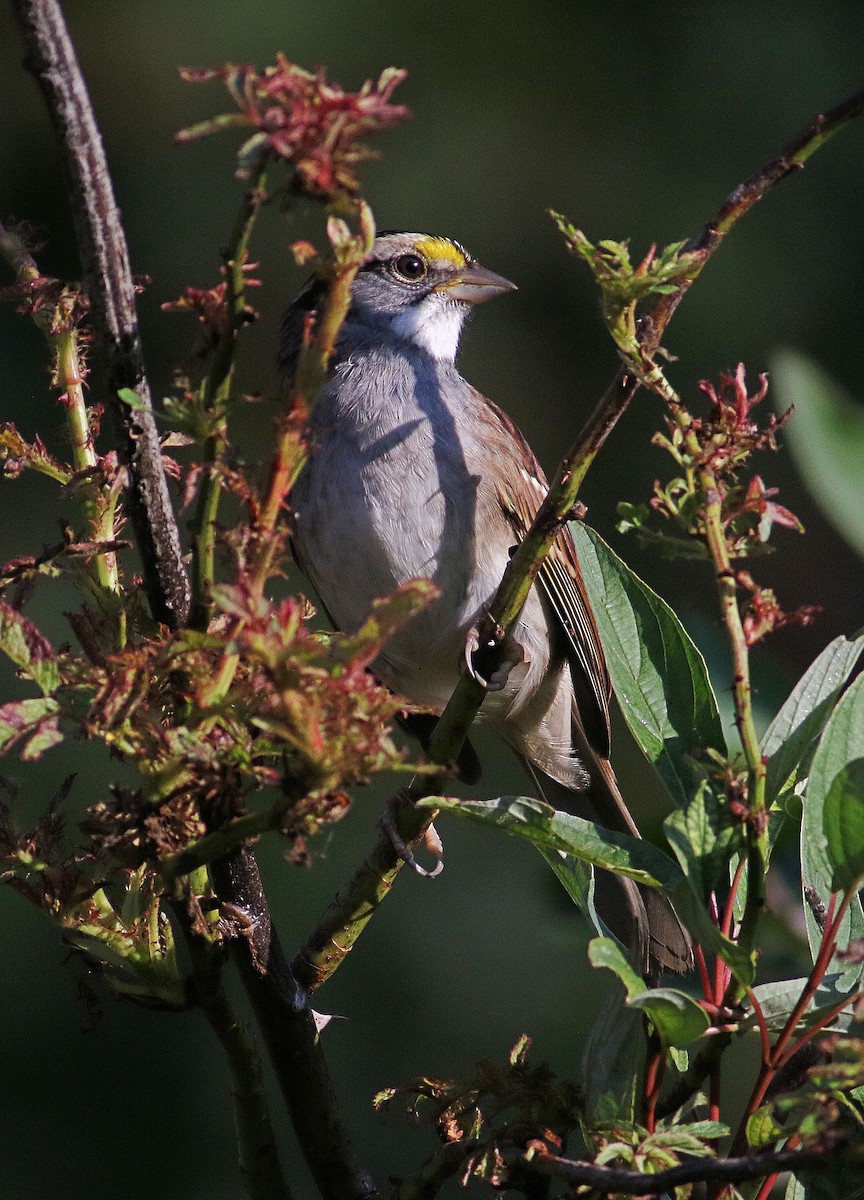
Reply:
x=560, y=578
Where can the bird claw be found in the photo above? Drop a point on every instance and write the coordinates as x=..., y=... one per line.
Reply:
x=513, y=654
x=431, y=840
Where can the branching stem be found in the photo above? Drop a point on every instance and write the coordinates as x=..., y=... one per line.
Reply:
x=215, y=395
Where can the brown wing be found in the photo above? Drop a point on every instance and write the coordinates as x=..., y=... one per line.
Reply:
x=560, y=578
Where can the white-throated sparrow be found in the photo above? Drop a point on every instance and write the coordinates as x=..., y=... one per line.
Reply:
x=412, y=472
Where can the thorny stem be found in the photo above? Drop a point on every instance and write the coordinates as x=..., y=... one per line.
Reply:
x=108, y=277
x=288, y=1026
x=215, y=395
x=63, y=342
x=727, y=588
x=312, y=371
x=358, y=901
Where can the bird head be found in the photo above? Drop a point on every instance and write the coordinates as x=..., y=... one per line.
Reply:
x=414, y=287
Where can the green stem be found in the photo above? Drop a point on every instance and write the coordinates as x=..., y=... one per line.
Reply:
x=288, y=460
x=356, y=904
x=57, y=325
x=215, y=394
x=757, y=823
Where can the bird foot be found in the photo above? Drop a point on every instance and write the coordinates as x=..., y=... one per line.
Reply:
x=430, y=837
x=512, y=652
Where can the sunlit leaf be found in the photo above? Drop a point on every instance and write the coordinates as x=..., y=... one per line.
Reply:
x=659, y=675
x=546, y=827
x=843, y=822
x=791, y=738
x=677, y=1019
x=22, y=642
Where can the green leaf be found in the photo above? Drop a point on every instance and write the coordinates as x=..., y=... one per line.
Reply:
x=841, y=743
x=704, y=836
x=689, y=1139
x=791, y=738
x=22, y=642
x=826, y=437
x=526, y=817
x=659, y=675
x=704, y=840
x=131, y=399
x=762, y=1129
x=778, y=999
x=612, y=1060
x=603, y=952
x=701, y=1129
x=843, y=822
x=677, y=1018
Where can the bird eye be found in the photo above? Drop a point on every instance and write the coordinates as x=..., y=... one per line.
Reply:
x=410, y=267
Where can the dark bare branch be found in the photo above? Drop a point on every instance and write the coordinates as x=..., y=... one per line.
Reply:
x=108, y=279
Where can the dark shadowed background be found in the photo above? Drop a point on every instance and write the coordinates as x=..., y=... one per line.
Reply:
x=635, y=121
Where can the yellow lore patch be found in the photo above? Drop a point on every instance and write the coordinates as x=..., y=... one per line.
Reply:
x=434, y=249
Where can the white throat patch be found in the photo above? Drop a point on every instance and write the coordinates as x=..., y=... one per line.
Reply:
x=435, y=325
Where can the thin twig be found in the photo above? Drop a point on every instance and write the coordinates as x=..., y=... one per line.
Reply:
x=558, y=505
x=108, y=279
x=455, y=721
x=215, y=394
x=355, y=905
x=719, y=1170
x=57, y=323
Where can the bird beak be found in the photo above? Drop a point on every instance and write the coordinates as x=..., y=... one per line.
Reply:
x=474, y=284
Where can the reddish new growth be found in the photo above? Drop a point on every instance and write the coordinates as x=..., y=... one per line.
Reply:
x=299, y=116
x=730, y=434
x=763, y=614
x=210, y=305
x=712, y=452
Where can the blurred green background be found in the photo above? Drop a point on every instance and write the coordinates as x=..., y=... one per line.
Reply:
x=635, y=121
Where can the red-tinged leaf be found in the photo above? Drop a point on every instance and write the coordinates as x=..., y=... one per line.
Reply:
x=303, y=118
x=387, y=616
x=22, y=717
x=22, y=642
x=46, y=735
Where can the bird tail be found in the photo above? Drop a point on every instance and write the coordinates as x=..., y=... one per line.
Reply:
x=642, y=918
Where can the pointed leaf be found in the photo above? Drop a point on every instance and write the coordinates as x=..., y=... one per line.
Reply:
x=603, y=952
x=612, y=1060
x=703, y=842
x=659, y=675
x=790, y=739
x=841, y=743
x=705, y=837
x=540, y=823
x=677, y=1018
x=777, y=1000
